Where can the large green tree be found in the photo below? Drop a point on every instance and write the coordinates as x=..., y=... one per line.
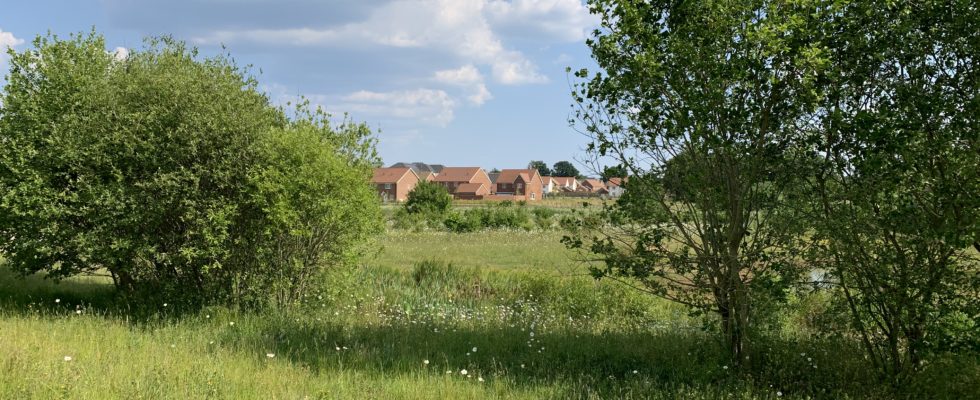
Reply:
x=541, y=167
x=900, y=185
x=564, y=168
x=171, y=172
x=723, y=84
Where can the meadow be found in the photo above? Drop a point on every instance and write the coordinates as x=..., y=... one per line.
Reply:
x=492, y=314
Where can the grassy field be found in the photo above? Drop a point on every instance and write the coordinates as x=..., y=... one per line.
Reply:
x=512, y=317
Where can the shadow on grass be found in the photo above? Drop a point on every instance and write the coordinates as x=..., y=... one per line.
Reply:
x=35, y=293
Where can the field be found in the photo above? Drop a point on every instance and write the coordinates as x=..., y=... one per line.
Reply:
x=494, y=314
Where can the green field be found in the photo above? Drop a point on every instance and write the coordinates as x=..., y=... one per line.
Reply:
x=514, y=311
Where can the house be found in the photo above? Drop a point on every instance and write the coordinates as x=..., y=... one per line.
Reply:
x=566, y=183
x=472, y=191
x=419, y=167
x=427, y=176
x=592, y=185
x=548, y=184
x=615, y=187
x=393, y=184
x=452, y=177
x=523, y=184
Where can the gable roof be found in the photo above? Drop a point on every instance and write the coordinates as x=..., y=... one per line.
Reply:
x=546, y=179
x=457, y=174
x=564, y=180
x=511, y=175
x=418, y=167
x=474, y=188
x=595, y=184
x=615, y=182
x=493, y=177
x=390, y=175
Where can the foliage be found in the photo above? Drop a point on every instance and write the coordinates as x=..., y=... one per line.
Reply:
x=318, y=209
x=541, y=167
x=503, y=215
x=899, y=186
x=564, y=168
x=428, y=198
x=159, y=168
x=615, y=171
x=723, y=84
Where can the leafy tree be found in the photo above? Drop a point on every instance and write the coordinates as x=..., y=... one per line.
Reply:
x=615, y=171
x=172, y=173
x=541, y=167
x=724, y=84
x=564, y=168
x=428, y=198
x=899, y=185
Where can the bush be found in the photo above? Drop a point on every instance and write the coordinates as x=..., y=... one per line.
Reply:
x=172, y=173
x=428, y=198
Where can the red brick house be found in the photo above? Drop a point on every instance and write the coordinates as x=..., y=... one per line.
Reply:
x=472, y=191
x=592, y=185
x=393, y=184
x=452, y=177
x=524, y=184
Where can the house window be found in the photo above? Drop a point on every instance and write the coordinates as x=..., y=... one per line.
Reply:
x=532, y=195
x=387, y=186
x=520, y=186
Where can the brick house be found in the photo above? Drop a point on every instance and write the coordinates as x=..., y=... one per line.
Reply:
x=615, y=187
x=524, y=184
x=548, y=184
x=393, y=184
x=592, y=185
x=567, y=183
x=452, y=177
x=472, y=191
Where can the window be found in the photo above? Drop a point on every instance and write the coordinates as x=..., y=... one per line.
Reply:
x=387, y=186
x=532, y=195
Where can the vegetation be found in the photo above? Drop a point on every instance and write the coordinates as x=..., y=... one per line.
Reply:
x=428, y=198
x=217, y=197
x=564, y=168
x=722, y=246
x=756, y=132
x=541, y=167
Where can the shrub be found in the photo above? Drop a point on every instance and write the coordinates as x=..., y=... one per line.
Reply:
x=428, y=198
x=172, y=173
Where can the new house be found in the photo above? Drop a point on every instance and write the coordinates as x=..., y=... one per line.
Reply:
x=592, y=185
x=523, y=184
x=393, y=184
x=548, y=184
x=615, y=187
x=565, y=183
x=453, y=177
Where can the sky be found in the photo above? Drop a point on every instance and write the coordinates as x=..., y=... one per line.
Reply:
x=454, y=82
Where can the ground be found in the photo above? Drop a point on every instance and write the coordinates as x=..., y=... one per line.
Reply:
x=498, y=314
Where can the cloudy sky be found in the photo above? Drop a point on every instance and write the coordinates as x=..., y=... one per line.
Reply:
x=458, y=82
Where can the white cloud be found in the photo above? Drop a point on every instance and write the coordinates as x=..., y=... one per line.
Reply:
x=120, y=53
x=434, y=107
x=459, y=28
x=7, y=40
x=564, y=20
x=469, y=78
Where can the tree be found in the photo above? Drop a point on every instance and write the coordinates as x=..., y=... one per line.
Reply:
x=615, y=171
x=564, y=168
x=899, y=186
x=724, y=84
x=428, y=198
x=172, y=173
x=541, y=167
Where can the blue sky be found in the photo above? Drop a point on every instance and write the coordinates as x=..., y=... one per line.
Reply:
x=457, y=82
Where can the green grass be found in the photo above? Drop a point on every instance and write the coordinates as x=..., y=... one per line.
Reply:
x=538, y=333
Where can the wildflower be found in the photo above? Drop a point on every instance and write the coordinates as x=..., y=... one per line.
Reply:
x=474, y=349
x=464, y=372
x=79, y=312
x=426, y=362
x=208, y=316
x=56, y=301
x=211, y=342
x=67, y=358
x=480, y=379
x=635, y=372
x=449, y=371
x=724, y=367
x=164, y=304
x=337, y=347
x=232, y=323
x=522, y=365
x=270, y=355
x=779, y=394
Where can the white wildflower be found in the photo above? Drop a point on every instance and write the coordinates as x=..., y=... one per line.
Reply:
x=270, y=355
x=474, y=349
x=67, y=358
x=57, y=301
x=464, y=372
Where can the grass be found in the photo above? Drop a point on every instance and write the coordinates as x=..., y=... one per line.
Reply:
x=502, y=308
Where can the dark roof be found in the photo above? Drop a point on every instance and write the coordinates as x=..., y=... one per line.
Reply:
x=419, y=167
x=493, y=177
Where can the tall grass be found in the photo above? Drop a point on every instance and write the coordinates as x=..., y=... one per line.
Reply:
x=409, y=331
